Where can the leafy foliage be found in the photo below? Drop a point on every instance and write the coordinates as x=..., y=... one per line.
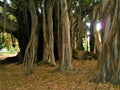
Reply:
x=1, y=9
x=7, y=43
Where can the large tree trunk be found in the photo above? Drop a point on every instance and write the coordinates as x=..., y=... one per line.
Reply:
x=108, y=64
x=48, y=51
x=23, y=32
x=31, y=49
x=65, y=56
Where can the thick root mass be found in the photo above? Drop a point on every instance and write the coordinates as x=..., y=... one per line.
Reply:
x=83, y=55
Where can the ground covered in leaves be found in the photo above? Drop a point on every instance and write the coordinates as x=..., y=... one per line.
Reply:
x=44, y=77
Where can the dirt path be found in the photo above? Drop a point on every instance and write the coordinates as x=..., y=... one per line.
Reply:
x=46, y=78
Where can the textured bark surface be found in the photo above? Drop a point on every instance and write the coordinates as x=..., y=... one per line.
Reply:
x=31, y=49
x=108, y=63
x=48, y=50
x=65, y=59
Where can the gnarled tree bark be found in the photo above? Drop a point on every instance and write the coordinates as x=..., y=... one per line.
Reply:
x=31, y=49
x=108, y=64
x=64, y=34
x=48, y=48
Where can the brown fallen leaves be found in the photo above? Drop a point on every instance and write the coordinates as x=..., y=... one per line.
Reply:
x=47, y=78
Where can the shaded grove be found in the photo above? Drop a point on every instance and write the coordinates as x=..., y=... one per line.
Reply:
x=50, y=30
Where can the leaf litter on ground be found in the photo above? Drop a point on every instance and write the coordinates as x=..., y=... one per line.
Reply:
x=46, y=78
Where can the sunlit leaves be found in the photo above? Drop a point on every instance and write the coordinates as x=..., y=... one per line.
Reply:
x=1, y=9
x=12, y=18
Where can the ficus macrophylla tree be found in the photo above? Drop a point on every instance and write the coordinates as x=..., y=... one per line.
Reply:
x=109, y=59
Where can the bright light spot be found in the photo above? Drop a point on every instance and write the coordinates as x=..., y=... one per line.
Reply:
x=83, y=19
x=91, y=4
x=73, y=11
x=3, y=50
x=87, y=15
x=39, y=9
x=8, y=1
x=42, y=5
x=87, y=40
x=98, y=26
x=77, y=4
x=88, y=24
x=88, y=32
x=95, y=1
